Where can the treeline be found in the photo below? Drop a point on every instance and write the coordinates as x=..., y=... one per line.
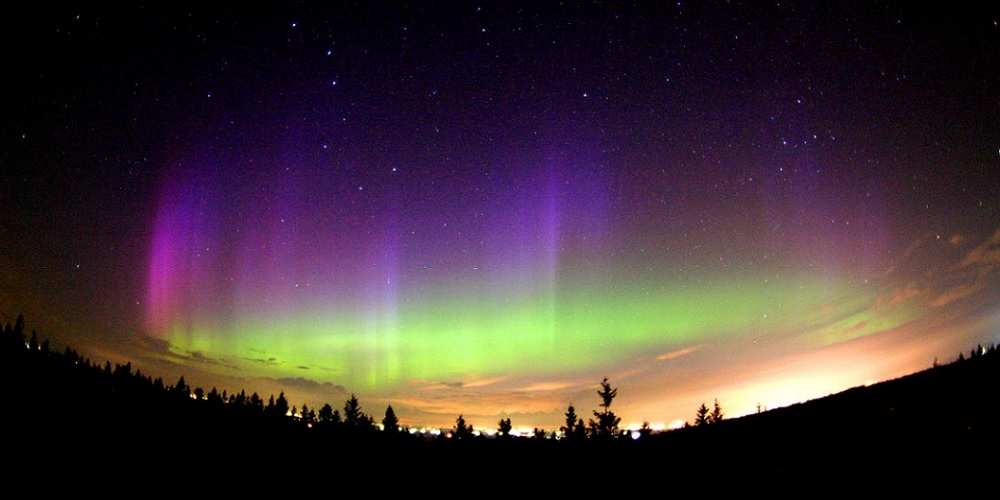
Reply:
x=51, y=371
x=64, y=405
x=81, y=390
x=73, y=395
x=74, y=414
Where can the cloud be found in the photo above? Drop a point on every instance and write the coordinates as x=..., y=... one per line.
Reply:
x=306, y=384
x=986, y=254
x=929, y=256
x=200, y=357
x=899, y=296
x=486, y=382
x=458, y=384
x=677, y=354
x=546, y=386
x=151, y=344
x=939, y=272
x=267, y=362
x=956, y=293
x=159, y=350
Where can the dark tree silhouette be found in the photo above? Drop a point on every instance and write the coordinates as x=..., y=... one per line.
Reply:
x=214, y=397
x=255, y=402
x=327, y=415
x=308, y=414
x=18, y=332
x=181, y=387
x=716, y=415
x=281, y=405
x=353, y=416
x=645, y=430
x=570, y=427
x=606, y=425
x=702, y=416
x=503, y=428
x=389, y=422
x=461, y=430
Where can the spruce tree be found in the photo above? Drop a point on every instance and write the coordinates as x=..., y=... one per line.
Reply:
x=390, y=423
x=607, y=422
x=716, y=415
x=702, y=417
x=281, y=405
x=353, y=416
x=570, y=427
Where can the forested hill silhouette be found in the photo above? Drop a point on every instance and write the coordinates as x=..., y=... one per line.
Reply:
x=66, y=414
x=942, y=423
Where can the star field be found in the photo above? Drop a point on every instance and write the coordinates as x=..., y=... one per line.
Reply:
x=487, y=208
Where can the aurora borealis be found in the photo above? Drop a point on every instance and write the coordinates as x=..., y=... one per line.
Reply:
x=485, y=209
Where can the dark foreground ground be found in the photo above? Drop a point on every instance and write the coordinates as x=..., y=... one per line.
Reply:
x=69, y=429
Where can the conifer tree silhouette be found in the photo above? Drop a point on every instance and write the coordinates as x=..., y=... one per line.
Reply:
x=606, y=425
x=353, y=416
x=570, y=427
x=180, y=388
x=281, y=405
x=716, y=415
x=389, y=422
x=328, y=416
x=702, y=416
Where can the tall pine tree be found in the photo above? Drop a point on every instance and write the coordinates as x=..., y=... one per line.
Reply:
x=389, y=422
x=716, y=415
x=606, y=425
x=701, y=417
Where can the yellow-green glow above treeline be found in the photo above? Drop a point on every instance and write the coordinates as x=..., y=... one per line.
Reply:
x=483, y=353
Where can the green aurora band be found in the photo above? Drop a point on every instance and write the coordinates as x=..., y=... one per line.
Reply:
x=477, y=335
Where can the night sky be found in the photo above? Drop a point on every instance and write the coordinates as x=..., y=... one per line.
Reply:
x=486, y=208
